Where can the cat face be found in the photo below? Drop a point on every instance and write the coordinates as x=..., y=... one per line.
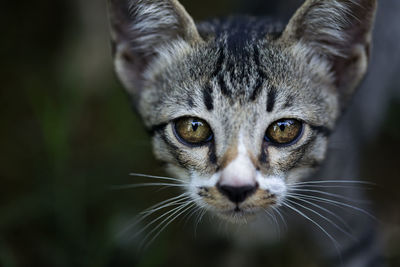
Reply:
x=237, y=101
x=237, y=111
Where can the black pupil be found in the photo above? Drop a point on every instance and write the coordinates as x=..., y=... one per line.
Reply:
x=283, y=124
x=195, y=125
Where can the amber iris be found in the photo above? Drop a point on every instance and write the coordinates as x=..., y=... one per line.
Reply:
x=284, y=131
x=193, y=130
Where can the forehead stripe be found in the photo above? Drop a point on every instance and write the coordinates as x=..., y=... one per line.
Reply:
x=219, y=73
x=220, y=61
x=261, y=75
x=207, y=97
x=257, y=89
x=289, y=101
x=271, y=99
x=222, y=85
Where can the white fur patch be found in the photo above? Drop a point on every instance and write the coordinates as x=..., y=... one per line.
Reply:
x=275, y=185
x=241, y=171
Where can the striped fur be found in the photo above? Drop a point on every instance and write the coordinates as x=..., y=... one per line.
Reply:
x=241, y=74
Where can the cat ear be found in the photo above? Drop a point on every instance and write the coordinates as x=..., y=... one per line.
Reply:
x=338, y=31
x=139, y=29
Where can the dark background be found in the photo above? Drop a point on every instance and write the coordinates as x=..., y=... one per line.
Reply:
x=68, y=133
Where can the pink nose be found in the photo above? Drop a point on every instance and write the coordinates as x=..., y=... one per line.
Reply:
x=238, y=174
x=237, y=194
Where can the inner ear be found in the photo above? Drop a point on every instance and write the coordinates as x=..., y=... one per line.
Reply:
x=140, y=29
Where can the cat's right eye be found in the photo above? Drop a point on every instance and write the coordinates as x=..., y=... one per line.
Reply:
x=192, y=131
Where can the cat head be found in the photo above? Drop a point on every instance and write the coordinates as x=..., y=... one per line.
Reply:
x=239, y=109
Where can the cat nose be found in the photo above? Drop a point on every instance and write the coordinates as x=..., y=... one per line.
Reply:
x=237, y=194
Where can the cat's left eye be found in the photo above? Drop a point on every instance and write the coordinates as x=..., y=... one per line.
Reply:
x=284, y=132
x=192, y=131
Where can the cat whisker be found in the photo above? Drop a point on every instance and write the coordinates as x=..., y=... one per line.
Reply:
x=139, y=219
x=171, y=213
x=199, y=218
x=131, y=186
x=267, y=214
x=183, y=195
x=333, y=182
x=190, y=214
x=325, y=218
x=340, y=219
x=272, y=217
x=176, y=202
x=328, y=186
x=335, y=243
x=184, y=208
x=326, y=194
x=281, y=216
x=157, y=177
x=333, y=202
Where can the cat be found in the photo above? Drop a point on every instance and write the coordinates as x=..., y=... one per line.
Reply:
x=241, y=110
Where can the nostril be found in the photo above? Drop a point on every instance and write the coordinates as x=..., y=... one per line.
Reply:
x=237, y=194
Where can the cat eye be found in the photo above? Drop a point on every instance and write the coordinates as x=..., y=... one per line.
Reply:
x=192, y=131
x=284, y=132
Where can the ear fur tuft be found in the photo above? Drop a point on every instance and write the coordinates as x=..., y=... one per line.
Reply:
x=140, y=29
x=338, y=31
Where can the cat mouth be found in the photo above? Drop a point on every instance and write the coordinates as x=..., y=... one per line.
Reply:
x=237, y=209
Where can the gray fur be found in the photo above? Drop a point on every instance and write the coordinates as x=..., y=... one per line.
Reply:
x=241, y=75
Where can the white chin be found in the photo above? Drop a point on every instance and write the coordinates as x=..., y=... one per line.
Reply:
x=237, y=216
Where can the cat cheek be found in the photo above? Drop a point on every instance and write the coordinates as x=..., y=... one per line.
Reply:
x=275, y=185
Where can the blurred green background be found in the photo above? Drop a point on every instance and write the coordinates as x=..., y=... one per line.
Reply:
x=68, y=134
